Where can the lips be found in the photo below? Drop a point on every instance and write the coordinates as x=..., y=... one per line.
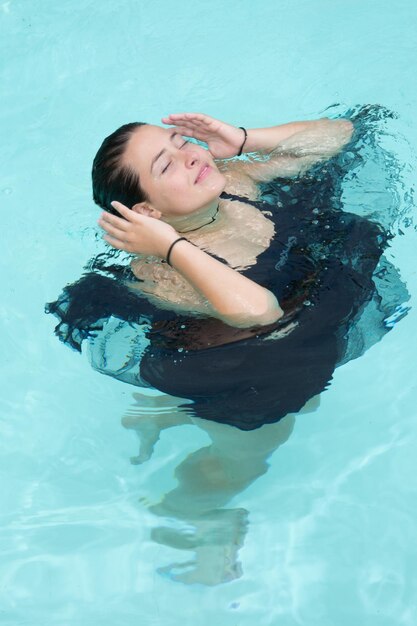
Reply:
x=205, y=169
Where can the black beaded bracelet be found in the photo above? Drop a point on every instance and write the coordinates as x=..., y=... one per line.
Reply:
x=172, y=245
x=244, y=141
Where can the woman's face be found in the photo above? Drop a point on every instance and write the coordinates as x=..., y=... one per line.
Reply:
x=179, y=177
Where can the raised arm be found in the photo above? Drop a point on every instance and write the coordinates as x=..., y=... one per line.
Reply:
x=283, y=150
x=233, y=298
x=291, y=149
x=314, y=136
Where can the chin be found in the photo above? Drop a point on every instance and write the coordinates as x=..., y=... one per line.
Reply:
x=218, y=183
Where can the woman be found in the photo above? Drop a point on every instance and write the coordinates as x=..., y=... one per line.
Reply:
x=241, y=305
x=181, y=186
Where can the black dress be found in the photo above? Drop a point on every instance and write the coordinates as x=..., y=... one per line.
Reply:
x=321, y=265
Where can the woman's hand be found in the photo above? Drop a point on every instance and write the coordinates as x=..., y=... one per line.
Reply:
x=233, y=298
x=137, y=234
x=223, y=140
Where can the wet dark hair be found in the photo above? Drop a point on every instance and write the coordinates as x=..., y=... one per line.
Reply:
x=111, y=178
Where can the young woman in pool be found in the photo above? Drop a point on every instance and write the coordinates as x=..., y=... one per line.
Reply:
x=174, y=192
x=249, y=315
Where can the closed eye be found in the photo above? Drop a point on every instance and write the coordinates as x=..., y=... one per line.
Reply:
x=167, y=166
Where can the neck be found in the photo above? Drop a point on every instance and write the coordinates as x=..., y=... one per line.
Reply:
x=208, y=218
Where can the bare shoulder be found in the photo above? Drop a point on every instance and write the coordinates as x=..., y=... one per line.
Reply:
x=237, y=180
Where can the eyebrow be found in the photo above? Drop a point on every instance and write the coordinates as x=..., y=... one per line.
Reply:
x=172, y=135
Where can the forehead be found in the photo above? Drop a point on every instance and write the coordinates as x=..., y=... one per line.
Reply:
x=145, y=142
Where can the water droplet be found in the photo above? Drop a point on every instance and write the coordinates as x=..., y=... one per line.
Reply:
x=315, y=222
x=307, y=302
x=7, y=191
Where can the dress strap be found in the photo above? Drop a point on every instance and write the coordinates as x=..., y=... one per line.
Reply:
x=231, y=196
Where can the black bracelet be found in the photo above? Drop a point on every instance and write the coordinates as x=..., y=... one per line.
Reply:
x=172, y=245
x=244, y=141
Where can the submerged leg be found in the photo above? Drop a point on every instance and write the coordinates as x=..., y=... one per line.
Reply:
x=149, y=417
x=207, y=480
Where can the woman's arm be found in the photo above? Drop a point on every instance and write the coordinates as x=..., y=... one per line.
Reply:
x=314, y=136
x=291, y=149
x=234, y=299
x=283, y=150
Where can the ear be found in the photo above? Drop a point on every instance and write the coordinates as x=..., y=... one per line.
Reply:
x=144, y=208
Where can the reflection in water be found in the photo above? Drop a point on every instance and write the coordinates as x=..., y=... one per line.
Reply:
x=207, y=480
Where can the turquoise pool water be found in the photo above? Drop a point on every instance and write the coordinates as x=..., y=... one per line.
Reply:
x=311, y=522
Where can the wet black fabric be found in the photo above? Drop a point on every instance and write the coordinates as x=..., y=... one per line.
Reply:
x=320, y=265
x=259, y=380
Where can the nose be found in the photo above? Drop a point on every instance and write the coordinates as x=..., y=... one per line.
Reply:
x=191, y=159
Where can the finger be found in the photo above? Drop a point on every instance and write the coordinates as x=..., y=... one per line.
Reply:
x=114, y=242
x=189, y=126
x=200, y=118
x=111, y=230
x=203, y=122
x=186, y=122
x=123, y=210
x=200, y=126
x=185, y=118
x=113, y=220
x=196, y=133
x=191, y=116
x=185, y=131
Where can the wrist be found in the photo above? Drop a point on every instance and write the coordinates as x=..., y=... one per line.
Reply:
x=165, y=242
x=240, y=151
x=176, y=241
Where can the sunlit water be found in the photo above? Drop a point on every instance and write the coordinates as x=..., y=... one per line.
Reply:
x=308, y=521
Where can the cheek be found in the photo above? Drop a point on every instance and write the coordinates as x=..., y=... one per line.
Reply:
x=172, y=195
x=177, y=186
x=175, y=191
